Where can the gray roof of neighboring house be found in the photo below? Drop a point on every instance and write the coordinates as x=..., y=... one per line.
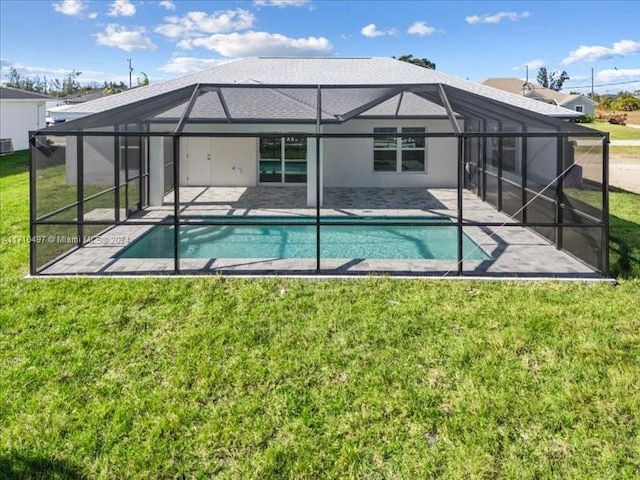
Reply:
x=528, y=89
x=8, y=93
x=83, y=97
x=378, y=72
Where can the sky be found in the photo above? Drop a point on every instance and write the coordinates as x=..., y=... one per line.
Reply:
x=468, y=39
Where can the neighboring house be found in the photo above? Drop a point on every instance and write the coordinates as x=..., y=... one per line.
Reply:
x=20, y=112
x=572, y=101
x=61, y=109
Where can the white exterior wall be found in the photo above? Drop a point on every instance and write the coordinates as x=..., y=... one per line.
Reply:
x=234, y=161
x=588, y=107
x=17, y=117
x=98, y=154
x=348, y=162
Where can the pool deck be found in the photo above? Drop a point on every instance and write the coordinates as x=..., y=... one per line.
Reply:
x=515, y=251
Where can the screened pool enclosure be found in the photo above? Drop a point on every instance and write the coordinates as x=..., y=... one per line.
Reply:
x=254, y=178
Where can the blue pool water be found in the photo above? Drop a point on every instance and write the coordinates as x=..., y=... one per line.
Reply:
x=299, y=241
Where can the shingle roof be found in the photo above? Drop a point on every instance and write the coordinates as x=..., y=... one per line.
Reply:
x=374, y=71
x=8, y=93
x=517, y=86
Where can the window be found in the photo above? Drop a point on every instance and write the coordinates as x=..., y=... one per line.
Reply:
x=283, y=159
x=393, y=154
x=580, y=108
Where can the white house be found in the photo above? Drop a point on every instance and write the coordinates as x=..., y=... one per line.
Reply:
x=366, y=139
x=270, y=100
x=572, y=101
x=20, y=112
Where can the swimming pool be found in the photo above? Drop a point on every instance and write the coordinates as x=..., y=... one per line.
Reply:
x=268, y=240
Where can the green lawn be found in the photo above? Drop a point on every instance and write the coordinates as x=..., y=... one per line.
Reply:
x=618, y=132
x=375, y=378
x=624, y=150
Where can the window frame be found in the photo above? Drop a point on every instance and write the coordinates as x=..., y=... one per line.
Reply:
x=399, y=148
x=282, y=140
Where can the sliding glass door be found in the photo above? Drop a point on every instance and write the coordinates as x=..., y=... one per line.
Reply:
x=283, y=160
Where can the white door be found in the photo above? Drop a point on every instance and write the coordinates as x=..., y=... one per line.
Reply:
x=199, y=162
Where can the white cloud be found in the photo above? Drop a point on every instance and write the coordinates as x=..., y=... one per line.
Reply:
x=613, y=75
x=534, y=64
x=251, y=43
x=584, y=53
x=120, y=37
x=195, y=23
x=371, y=31
x=168, y=4
x=280, y=3
x=73, y=8
x=496, y=18
x=92, y=15
x=122, y=8
x=190, y=64
x=421, y=28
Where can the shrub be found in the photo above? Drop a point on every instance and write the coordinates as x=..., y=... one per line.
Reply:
x=586, y=118
x=626, y=103
x=618, y=119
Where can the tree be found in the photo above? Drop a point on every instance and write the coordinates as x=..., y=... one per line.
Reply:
x=69, y=83
x=553, y=80
x=145, y=80
x=543, y=77
x=14, y=78
x=111, y=89
x=626, y=102
x=421, y=62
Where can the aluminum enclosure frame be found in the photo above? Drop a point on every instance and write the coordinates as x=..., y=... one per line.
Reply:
x=458, y=105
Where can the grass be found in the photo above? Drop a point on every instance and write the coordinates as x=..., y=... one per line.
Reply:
x=617, y=132
x=377, y=378
x=624, y=150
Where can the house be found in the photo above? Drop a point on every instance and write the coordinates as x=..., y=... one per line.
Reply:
x=297, y=137
x=572, y=101
x=61, y=109
x=20, y=112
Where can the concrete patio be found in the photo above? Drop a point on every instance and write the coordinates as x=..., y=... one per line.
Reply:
x=514, y=251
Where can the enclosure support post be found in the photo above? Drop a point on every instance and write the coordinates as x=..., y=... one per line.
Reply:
x=460, y=182
x=483, y=157
x=176, y=204
x=32, y=205
x=80, y=187
x=559, y=192
x=142, y=154
x=126, y=173
x=523, y=178
x=500, y=145
x=605, y=205
x=116, y=173
x=144, y=162
x=318, y=173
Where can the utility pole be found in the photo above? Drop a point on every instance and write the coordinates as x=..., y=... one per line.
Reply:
x=527, y=81
x=130, y=70
x=592, y=84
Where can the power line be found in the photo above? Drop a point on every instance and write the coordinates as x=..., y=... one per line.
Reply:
x=606, y=84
